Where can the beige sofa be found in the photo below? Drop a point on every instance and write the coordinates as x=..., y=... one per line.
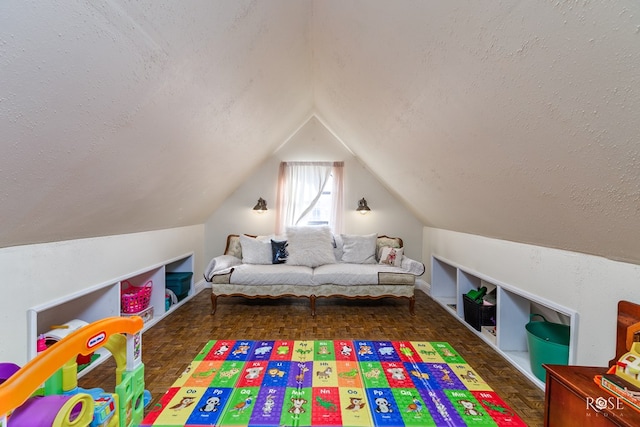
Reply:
x=346, y=271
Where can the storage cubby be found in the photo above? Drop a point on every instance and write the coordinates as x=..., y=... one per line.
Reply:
x=103, y=300
x=514, y=306
x=155, y=276
x=446, y=290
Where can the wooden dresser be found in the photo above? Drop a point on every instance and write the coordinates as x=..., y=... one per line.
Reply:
x=572, y=398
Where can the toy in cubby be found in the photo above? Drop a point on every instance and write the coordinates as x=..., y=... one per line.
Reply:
x=24, y=402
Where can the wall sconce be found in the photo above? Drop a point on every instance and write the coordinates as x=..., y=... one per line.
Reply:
x=261, y=206
x=363, y=208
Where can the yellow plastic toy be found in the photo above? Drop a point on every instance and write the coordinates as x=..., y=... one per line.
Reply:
x=628, y=367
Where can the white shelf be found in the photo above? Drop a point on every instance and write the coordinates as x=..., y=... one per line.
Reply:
x=522, y=361
x=447, y=301
x=103, y=300
x=450, y=281
x=488, y=336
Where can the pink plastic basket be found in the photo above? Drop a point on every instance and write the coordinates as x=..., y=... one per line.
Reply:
x=134, y=299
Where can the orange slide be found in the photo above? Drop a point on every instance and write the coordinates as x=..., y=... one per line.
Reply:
x=20, y=386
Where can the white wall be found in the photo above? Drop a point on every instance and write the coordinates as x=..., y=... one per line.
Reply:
x=313, y=142
x=32, y=275
x=588, y=284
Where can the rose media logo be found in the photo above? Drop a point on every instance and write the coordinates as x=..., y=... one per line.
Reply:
x=599, y=404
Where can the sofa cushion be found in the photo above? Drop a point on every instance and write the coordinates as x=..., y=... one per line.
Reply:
x=337, y=246
x=310, y=246
x=359, y=249
x=255, y=250
x=272, y=274
x=359, y=274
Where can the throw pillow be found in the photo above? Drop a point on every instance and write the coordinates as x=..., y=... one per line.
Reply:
x=337, y=246
x=359, y=249
x=392, y=242
x=279, y=252
x=255, y=251
x=391, y=256
x=310, y=246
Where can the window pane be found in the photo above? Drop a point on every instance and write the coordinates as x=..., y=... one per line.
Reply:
x=321, y=213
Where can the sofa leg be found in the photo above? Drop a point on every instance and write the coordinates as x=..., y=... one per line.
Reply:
x=214, y=303
x=412, y=305
x=312, y=300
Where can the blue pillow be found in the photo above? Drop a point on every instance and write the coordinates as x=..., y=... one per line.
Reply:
x=279, y=252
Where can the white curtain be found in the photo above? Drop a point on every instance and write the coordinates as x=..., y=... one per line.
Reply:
x=338, y=198
x=300, y=185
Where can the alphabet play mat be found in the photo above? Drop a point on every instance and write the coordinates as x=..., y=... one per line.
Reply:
x=330, y=383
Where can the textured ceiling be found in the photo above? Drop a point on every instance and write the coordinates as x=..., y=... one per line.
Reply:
x=514, y=120
x=130, y=116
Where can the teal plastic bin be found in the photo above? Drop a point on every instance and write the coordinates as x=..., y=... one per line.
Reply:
x=179, y=283
x=548, y=343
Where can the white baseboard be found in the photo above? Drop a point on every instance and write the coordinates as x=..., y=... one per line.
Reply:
x=201, y=285
x=423, y=286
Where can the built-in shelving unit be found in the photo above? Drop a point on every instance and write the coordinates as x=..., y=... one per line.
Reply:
x=103, y=300
x=450, y=281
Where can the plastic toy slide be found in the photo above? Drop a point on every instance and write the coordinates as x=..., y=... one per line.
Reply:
x=58, y=410
x=54, y=411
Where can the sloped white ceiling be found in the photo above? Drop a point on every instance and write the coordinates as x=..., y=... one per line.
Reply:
x=509, y=119
x=124, y=116
x=516, y=119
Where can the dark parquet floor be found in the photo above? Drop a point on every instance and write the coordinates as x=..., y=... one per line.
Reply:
x=170, y=345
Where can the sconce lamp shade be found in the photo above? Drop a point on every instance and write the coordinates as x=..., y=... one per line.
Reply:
x=363, y=208
x=261, y=206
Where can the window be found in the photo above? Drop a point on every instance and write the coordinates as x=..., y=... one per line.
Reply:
x=323, y=208
x=309, y=193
